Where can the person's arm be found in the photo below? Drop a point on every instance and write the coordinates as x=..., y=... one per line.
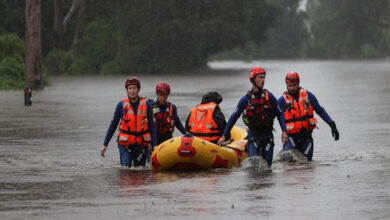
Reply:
x=151, y=125
x=323, y=114
x=280, y=115
x=220, y=120
x=277, y=110
x=178, y=123
x=187, y=128
x=113, y=125
x=282, y=103
x=318, y=108
x=241, y=106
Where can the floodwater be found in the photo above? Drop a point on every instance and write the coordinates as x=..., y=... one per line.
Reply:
x=50, y=166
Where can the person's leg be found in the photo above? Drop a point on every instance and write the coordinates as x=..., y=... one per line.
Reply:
x=139, y=155
x=253, y=149
x=307, y=146
x=124, y=156
x=267, y=151
x=291, y=144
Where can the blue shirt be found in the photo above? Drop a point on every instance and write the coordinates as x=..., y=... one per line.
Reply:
x=178, y=123
x=118, y=116
x=243, y=104
x=313, y=102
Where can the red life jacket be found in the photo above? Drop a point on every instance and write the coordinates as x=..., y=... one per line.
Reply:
x=164, y=121
x=134, y=129
x=298, y=114
x=259, y=114
x=202, y=124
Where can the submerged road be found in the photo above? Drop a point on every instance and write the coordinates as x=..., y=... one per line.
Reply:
x=50, y=166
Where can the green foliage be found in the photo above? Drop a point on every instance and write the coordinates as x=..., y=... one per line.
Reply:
x=57, y=62
x=341, y=28
x=163, y=36
x=12, y=66
x=97, y=49
x=288, y=37
x=170, y=36
x=12, y=16
x=11, y=73
x=11, y=46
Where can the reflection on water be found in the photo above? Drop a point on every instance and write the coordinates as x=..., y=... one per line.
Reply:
x=50, y=166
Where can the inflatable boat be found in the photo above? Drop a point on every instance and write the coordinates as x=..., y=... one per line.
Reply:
x=192, y=153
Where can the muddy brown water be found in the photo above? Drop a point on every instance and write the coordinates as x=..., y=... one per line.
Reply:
x=50, y=166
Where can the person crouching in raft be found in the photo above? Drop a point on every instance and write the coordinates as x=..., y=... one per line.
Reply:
x=165, y=114
x=206, y=119
x=298, y=106
x=259, y=107
x=137, y=132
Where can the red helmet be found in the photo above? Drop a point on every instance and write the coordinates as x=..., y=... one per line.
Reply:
x=292, y=77
x=132, y=81
x=163, y=88
x=256, y=71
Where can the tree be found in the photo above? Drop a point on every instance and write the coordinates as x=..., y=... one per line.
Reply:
x=169, y=36
x=11, y=19
x=158, y=36
x=81, y=20
x=287, y=38
x=58, y=29
x=61, y=23
x=33, y=44
x=341, y=28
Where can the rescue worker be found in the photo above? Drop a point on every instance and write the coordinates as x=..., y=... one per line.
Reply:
x=259, y=107
x=298, y=106
x=137, y=132
x=206, y=120
x=165, y=114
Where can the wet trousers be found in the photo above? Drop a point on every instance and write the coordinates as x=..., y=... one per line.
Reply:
x=261, y=146
x=303, y=144
x=132, y=156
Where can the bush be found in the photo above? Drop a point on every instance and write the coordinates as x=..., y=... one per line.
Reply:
x=12, y=74
x=12, y=68
x=57, y=62
x=11, y=46
x=97, y=48
x=368, y=51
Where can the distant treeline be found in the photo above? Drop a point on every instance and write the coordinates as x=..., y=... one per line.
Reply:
x=145, y=36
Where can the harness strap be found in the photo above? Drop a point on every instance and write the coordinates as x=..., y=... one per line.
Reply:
x=133, y=132
x=307, y=117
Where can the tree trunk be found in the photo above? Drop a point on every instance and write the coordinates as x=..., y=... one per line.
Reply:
x=33, y=45
x=80, y=21
x=58, y=33
x=72, y=10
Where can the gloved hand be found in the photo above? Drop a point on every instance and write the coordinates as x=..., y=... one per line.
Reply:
x=335, y=132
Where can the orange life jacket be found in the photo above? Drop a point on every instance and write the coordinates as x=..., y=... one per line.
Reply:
x=134, y=129
x=299, y=114
x=202, y=123
x=165, y=122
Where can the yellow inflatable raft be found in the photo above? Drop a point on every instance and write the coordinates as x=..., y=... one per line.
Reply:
x=192, y=153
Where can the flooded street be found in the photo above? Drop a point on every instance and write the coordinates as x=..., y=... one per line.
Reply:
x=50, y=164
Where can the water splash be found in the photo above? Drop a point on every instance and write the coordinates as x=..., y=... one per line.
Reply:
x=290, y=156
x=255, y=163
